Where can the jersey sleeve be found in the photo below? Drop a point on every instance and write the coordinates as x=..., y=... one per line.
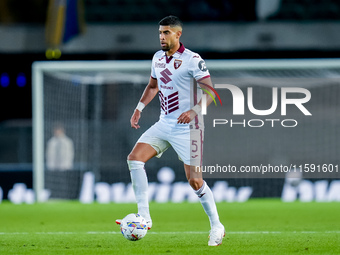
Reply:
x=198, y=68
x=153, y=72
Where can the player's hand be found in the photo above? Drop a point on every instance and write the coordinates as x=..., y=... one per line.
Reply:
x=134, y=119
x=186, y=117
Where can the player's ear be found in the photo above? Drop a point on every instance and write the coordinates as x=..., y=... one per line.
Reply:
x=179, y=33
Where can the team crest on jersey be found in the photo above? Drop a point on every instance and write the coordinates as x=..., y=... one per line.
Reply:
x=177, y=63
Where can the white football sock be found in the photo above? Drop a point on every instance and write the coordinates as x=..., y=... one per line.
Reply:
x=140, y=186
x=208, y=202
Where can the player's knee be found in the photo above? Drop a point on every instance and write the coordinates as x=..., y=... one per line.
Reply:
x=195, y=183
x=131, y=156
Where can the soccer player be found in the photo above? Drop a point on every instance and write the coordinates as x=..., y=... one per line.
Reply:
x=180, y=124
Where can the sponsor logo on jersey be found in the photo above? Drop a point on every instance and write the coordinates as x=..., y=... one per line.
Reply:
x=165, y=76
x=166, y=87
x=159, y=65
x=177, y=63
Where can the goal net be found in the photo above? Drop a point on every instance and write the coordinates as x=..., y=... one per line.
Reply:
x=81, y=114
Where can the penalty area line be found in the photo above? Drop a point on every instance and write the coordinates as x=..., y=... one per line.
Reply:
x=173, y=233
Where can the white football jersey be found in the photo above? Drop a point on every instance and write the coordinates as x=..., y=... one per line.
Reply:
x=178, y=90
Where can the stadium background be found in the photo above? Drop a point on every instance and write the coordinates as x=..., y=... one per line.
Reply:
x=127, y=30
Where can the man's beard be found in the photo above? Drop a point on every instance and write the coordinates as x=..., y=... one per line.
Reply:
x=166, y=48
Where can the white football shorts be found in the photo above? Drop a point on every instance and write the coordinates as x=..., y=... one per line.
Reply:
x=187, y=143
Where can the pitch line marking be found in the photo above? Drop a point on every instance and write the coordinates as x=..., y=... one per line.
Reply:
x=173, y=233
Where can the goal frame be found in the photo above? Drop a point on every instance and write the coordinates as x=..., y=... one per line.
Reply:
x=39, y=67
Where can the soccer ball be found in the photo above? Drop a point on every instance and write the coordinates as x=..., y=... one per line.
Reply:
x=133, y=227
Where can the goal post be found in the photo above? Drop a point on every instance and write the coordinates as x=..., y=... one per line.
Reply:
x=38, y=69
x=87, y=96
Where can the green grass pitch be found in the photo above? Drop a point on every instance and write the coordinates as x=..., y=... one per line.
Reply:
x=259, y=226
